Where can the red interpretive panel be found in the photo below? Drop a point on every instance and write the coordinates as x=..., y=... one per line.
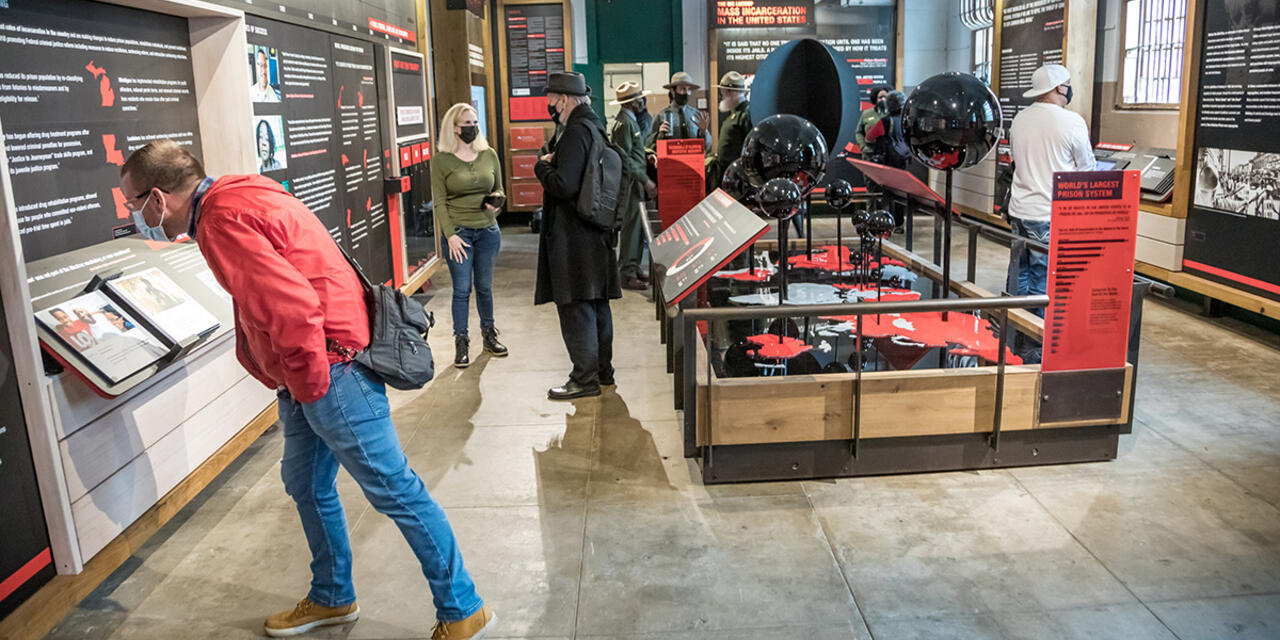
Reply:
x=1091, y=246
x=681, y=177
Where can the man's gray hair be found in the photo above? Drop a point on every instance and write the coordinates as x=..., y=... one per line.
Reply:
x=581, y=99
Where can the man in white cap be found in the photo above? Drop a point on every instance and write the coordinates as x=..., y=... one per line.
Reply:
x=1045, y=138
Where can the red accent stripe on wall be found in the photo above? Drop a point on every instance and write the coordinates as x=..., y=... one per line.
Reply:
x=28, y=570
x=1230, y=275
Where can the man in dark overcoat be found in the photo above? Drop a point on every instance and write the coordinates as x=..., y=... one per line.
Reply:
x=577, y=267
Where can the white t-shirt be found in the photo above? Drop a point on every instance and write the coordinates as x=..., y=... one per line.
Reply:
x=1045, y=138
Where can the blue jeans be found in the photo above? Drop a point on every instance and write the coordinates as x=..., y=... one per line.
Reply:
x=351, y=425
x=1029, y=270
x=1028, y=274
x=474, y=270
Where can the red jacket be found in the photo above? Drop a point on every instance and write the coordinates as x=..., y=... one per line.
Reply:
x=292, y=288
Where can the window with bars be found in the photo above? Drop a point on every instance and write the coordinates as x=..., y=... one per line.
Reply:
x=982, y=54
x=1151, y=71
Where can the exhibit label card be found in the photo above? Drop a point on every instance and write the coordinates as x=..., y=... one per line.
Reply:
x=682, y=171
x=1091, y=246
x=701, y=242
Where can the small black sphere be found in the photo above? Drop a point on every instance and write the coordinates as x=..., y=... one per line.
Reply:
x=735, y=184
x=839, y=194
x=951, y=121
x=785, y=146
x=780, y=198
x=881, y=224
x=861, y=218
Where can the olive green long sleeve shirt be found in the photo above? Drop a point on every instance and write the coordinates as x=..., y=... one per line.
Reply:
x=459, y=188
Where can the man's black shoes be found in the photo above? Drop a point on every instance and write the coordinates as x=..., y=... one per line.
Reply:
x=461, y=359
x=491, y=343
x=571, y=390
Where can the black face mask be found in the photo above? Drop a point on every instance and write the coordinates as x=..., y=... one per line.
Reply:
x=680, y=99
x=552, y=111
x=1070, y=93
x=469, y=133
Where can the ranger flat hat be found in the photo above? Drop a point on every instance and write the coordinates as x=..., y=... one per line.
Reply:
x=570, y=83
x=733, y=80
x=628, y=91
x=681, y=79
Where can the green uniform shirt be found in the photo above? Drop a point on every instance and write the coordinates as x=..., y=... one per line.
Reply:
x=866, y=121
x=733, y=132
x=627, y=136
x=686, y=119
x=459, y=188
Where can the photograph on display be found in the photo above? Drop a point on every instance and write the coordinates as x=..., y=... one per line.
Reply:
x=165, y=303
x=264, y=74
x=1241, y=182
x=269, y=131
x=106, y=337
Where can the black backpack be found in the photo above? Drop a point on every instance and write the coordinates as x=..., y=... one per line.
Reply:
x=600, y=197
x=891, y=149
x=398, y=351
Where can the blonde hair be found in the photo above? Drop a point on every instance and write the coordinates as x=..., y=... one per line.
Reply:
x=163, y=165
x=449, y=141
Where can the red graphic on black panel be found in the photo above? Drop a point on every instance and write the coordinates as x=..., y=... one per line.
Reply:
x=122, y=206
x=360, y=98
x=114, y=156
x=104, y=84
x=341, y=88
x=345, y=159
x=702, y=242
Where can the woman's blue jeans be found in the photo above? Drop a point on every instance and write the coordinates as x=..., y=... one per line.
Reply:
x=351, y=425
x=475, y=271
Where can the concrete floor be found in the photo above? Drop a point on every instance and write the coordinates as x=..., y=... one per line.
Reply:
x=582, y=520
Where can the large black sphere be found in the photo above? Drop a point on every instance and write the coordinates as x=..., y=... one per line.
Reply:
x=780, y=198
x=785, y=146
x=736, y=184
x=951, y=121
x=839, y=194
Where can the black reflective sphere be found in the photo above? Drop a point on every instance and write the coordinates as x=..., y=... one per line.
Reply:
x=839, y=194
x=951, y=121
x=736, y=184
x=881, y=224
x=861, y=218
x=785, y=146
x=780, y=198
x=895, y=102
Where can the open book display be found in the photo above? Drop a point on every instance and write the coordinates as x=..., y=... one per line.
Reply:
x=119, y=327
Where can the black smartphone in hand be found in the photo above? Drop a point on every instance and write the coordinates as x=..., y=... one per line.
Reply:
x=495, y=200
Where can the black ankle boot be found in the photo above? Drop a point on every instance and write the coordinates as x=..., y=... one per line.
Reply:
x=461, y=359
x=491, y=343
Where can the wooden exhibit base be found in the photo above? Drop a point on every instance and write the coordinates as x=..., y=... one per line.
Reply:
x=48, y=606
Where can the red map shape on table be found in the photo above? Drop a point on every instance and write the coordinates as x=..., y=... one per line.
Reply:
x=887, y=294
x=825, y=258
x=113, y=154
x=771, y=346
x=744, y=275
x=104, y=84
x=968, y=333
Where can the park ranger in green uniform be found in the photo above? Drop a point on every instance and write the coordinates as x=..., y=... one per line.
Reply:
x=681, y=120
x=633, y=246
x=735, y=124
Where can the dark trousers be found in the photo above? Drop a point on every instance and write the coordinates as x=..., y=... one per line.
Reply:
x=587, y=328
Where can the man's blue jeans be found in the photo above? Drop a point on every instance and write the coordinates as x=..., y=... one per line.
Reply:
x=351, y=425
x=1028, y=274
x=476, y=270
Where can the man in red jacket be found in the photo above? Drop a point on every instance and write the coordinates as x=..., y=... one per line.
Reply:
x=300, y=316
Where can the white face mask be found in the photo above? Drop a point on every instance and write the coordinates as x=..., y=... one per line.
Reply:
x=147, y=231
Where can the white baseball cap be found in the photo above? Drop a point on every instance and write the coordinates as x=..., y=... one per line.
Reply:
x=1046, y=79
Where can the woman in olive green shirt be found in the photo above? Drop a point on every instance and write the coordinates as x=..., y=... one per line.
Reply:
x=466, y=185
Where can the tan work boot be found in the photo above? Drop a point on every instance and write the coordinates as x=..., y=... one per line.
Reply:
x=307, y=616
x=473, y=628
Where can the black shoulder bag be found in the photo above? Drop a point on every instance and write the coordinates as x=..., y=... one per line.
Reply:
x=398, y=351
